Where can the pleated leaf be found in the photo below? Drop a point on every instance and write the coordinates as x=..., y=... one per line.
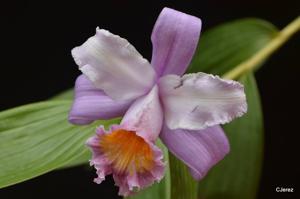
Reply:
x=37, y=138
x=222, y=48
x=182, y=183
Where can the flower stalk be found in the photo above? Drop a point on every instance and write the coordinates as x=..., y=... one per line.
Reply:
x=250, y=64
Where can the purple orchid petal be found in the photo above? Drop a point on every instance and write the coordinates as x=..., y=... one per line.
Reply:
x=145, y=116
x=114, y=66
x=199, y=150
x=174, y=39
x=92, y=104
x=197, y=101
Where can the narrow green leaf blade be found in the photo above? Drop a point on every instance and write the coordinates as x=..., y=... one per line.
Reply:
x=64, y=95
x=182, y=183
x=225, y=46
x=237, y=176
x=37, y=138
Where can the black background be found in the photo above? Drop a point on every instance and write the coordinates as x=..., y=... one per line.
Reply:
x=36, y=39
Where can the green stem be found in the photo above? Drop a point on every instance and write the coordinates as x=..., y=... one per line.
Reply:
x=266, y=51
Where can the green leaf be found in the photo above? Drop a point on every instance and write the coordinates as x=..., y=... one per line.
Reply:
x=237, y=176
x=86, y=155
x=65, y=95
x=224, y=47
x=182, y=183
x=37, y=138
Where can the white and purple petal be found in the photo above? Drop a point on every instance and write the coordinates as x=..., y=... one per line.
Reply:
x=199, y=150
x=174, y=39
x=92, y=104
x=197, y=101
x=114, y=66
x=145, y=116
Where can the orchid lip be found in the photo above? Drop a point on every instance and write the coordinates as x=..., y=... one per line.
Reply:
x=134, y=161
x=127, y=152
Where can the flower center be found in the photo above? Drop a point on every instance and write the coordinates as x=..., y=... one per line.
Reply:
x=127, y=152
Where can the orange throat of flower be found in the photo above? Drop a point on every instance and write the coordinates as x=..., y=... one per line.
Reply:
x=127, y=152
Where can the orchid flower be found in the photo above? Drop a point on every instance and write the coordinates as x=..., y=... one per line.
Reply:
x=156, y=101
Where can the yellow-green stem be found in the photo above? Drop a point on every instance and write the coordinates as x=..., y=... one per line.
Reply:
x=266, y=51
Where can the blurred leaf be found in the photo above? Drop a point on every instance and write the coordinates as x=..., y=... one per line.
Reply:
x=224, y=47
x=37, y=138
x=65, y=95
x=159, y=190
x=237, y=176
x=182, y=183
x=83, y=159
